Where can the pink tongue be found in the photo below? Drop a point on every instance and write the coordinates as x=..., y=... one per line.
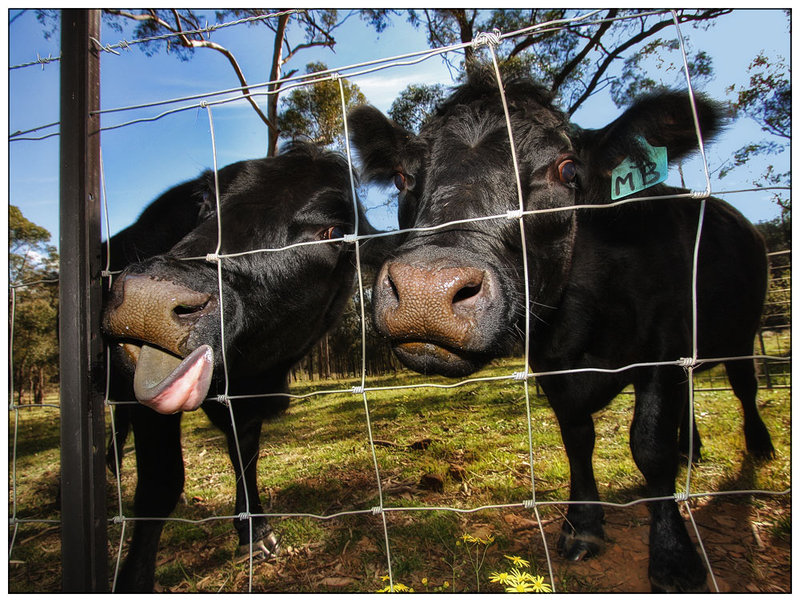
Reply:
x=168, y=384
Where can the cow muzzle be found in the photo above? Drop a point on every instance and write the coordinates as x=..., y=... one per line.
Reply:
x=438, y=314
x=152, y=321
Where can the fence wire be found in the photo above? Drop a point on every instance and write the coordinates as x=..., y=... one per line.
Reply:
x=524, y=375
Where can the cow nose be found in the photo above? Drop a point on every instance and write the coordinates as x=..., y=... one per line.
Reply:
x=154, y=311
x=436, y=303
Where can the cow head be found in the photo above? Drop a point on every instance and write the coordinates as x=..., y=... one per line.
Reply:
x=165, y=316
x=453, y=296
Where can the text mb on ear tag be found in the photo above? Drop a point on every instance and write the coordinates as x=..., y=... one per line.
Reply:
x=630, y=177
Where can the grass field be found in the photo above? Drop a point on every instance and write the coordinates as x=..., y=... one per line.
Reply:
x=459, y=448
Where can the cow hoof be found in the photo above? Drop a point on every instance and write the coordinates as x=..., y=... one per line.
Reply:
x=676, y=571
x=262, y=550
x=762, y=454
x=579, y=546
x=663, y=588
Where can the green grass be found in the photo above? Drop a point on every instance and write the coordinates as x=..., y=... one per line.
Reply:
x=471, y=442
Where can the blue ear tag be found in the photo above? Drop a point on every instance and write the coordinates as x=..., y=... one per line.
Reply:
x=629, y=177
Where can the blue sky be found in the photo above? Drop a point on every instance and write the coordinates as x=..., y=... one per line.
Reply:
x=143, y=160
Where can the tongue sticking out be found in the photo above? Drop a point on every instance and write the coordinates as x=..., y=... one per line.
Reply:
x=168, y=384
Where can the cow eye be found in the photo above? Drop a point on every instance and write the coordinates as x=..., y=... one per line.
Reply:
x=567, y=171
x=404, y=181
x=332, y=233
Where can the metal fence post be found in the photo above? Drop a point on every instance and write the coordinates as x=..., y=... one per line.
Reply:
x=83, y=502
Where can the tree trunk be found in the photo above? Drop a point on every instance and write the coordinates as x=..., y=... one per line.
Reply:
x=275, y=74
x=38, y=393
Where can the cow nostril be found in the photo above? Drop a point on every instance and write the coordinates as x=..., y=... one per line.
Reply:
x=186, y=311
x=392, y=289
x=466, y=293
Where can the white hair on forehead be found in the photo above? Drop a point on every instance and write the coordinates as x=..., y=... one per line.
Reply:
x=472, y=126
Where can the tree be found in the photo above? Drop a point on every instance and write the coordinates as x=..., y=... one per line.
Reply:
x=767, y=100
x=574, y=61
x=183, y=31
x=315, y=111
x=29, y=255
x=777, y=233
x=33, y=311
x=415, y=103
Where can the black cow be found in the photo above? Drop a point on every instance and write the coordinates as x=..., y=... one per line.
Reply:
x=609, y=287
x=162, y=319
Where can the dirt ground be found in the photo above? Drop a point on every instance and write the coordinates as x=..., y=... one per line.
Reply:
x=746, y=552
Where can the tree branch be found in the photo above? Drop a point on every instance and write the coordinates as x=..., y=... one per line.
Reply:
x=562, y=75
x=187, y=42
x=640, y=37
x=239, y=74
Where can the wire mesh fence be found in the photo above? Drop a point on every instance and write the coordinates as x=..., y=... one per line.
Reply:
x=378, y=492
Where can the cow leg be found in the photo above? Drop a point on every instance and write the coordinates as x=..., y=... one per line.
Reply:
x=683, y=440
x=160, y=478
x=249, y=417
x=582, y=532
x=660, y=398
x=742, y=376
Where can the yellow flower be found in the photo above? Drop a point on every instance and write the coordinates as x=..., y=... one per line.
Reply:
x=446, y=584
x=517, y=561
x=425, y=581
x=503, y=578
x=538, y=585
x=519, y=588
x=399, y=587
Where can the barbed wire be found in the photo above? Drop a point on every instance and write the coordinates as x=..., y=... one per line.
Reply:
x=280, y=85
x=125, y=44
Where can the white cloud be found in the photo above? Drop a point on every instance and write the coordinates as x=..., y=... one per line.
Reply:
x=382, y=87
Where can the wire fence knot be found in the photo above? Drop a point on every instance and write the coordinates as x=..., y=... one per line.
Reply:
x=118, y=519
x=244, y=516
x=100, y=47
x=529, y=504
x=514, y=214
x=223, y=399
x=699, y=194
x=687, y=362
x=520, y=375
x=377, y=510
x=358, y=390
x=212, y=257
x=681, y=496
x=486, y=38
x=350, y=237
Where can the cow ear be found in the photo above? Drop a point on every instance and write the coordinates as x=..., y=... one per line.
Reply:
x=663, y=119
x=206, y=195
x=383, y=146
